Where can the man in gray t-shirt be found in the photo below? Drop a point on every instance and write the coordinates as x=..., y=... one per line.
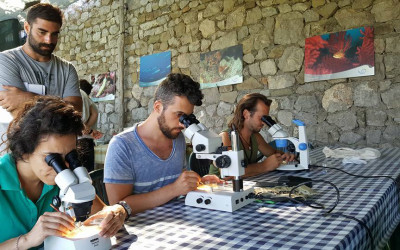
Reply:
x=33, y=69
x=56, y=76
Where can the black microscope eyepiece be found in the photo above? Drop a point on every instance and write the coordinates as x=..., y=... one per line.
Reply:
x=268, y=120
x=56, y=161
x=188, y=120
x=73, y=159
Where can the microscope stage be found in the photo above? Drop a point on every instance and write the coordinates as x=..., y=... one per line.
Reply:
x=220, y=197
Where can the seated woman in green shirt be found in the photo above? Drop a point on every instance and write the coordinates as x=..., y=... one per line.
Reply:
x=27, y=184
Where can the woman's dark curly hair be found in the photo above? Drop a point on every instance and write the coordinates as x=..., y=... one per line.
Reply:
x=248, y=102
x=41, y=116
x=178, y=85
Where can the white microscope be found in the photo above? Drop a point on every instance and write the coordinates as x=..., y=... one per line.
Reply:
x=75, y=198
x=281, y=137
x=208, y=145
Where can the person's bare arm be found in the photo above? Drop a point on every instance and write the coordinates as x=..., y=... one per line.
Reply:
x=12, y=98
x=98, y=205
x=185, y=183
x=92, y=119
x=264, y=147
x=12, y=243
x=76, y=101
x=112, y=217
x=50, y=223
x=271, y=163
x=93, y=116
x=138, y=202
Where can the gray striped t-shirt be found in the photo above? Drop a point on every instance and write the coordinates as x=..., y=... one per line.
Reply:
x=130, y=161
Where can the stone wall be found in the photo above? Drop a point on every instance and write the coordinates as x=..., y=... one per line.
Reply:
x=362, y=111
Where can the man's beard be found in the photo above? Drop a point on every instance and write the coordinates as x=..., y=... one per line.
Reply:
x=255, y=129
x=167, y=131
x=36, y=46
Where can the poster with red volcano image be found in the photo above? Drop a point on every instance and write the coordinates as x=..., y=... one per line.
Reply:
x=340, y=55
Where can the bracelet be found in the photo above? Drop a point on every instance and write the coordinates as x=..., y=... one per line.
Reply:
x=127, y=208
x=16, y=244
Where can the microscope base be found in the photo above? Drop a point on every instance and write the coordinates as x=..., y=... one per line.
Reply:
x=94, y=242
x=221, y=198
x=292, y=167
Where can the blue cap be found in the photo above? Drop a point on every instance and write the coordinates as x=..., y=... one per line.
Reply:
x=298, y=123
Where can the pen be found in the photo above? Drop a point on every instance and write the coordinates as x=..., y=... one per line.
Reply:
x=77, y=224
x=54, y=207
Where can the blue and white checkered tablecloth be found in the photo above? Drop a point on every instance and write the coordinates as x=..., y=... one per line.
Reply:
x=281, y=225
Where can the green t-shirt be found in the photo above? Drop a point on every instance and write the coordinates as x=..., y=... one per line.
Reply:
x=18, y=214
x=250, y=155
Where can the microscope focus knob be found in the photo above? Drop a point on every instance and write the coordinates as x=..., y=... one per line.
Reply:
x=207, y=201
x=303, y=146
x=56, y=201
x=291, y=148
x=223, y=161
x=200, y=147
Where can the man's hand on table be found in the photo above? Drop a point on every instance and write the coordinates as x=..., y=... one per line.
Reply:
x=272, y=162
x=288, y=157
x=190, y=180
x=11, y=98
x=211, y=178
x=186, y=182
x=112, y=219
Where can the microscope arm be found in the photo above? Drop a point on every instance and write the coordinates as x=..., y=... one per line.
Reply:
x=208, y=145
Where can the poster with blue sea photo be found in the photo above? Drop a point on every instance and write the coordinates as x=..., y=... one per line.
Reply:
x=154, y=68
x=221, y=67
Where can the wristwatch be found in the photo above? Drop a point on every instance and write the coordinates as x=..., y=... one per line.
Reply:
x=127, y=208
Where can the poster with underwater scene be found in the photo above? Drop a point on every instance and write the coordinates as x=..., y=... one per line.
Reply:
x=221, y=67
x=340, y=55
x=154, y=68
x=104, y=86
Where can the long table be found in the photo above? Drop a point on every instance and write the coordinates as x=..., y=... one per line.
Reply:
x=374, y=202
